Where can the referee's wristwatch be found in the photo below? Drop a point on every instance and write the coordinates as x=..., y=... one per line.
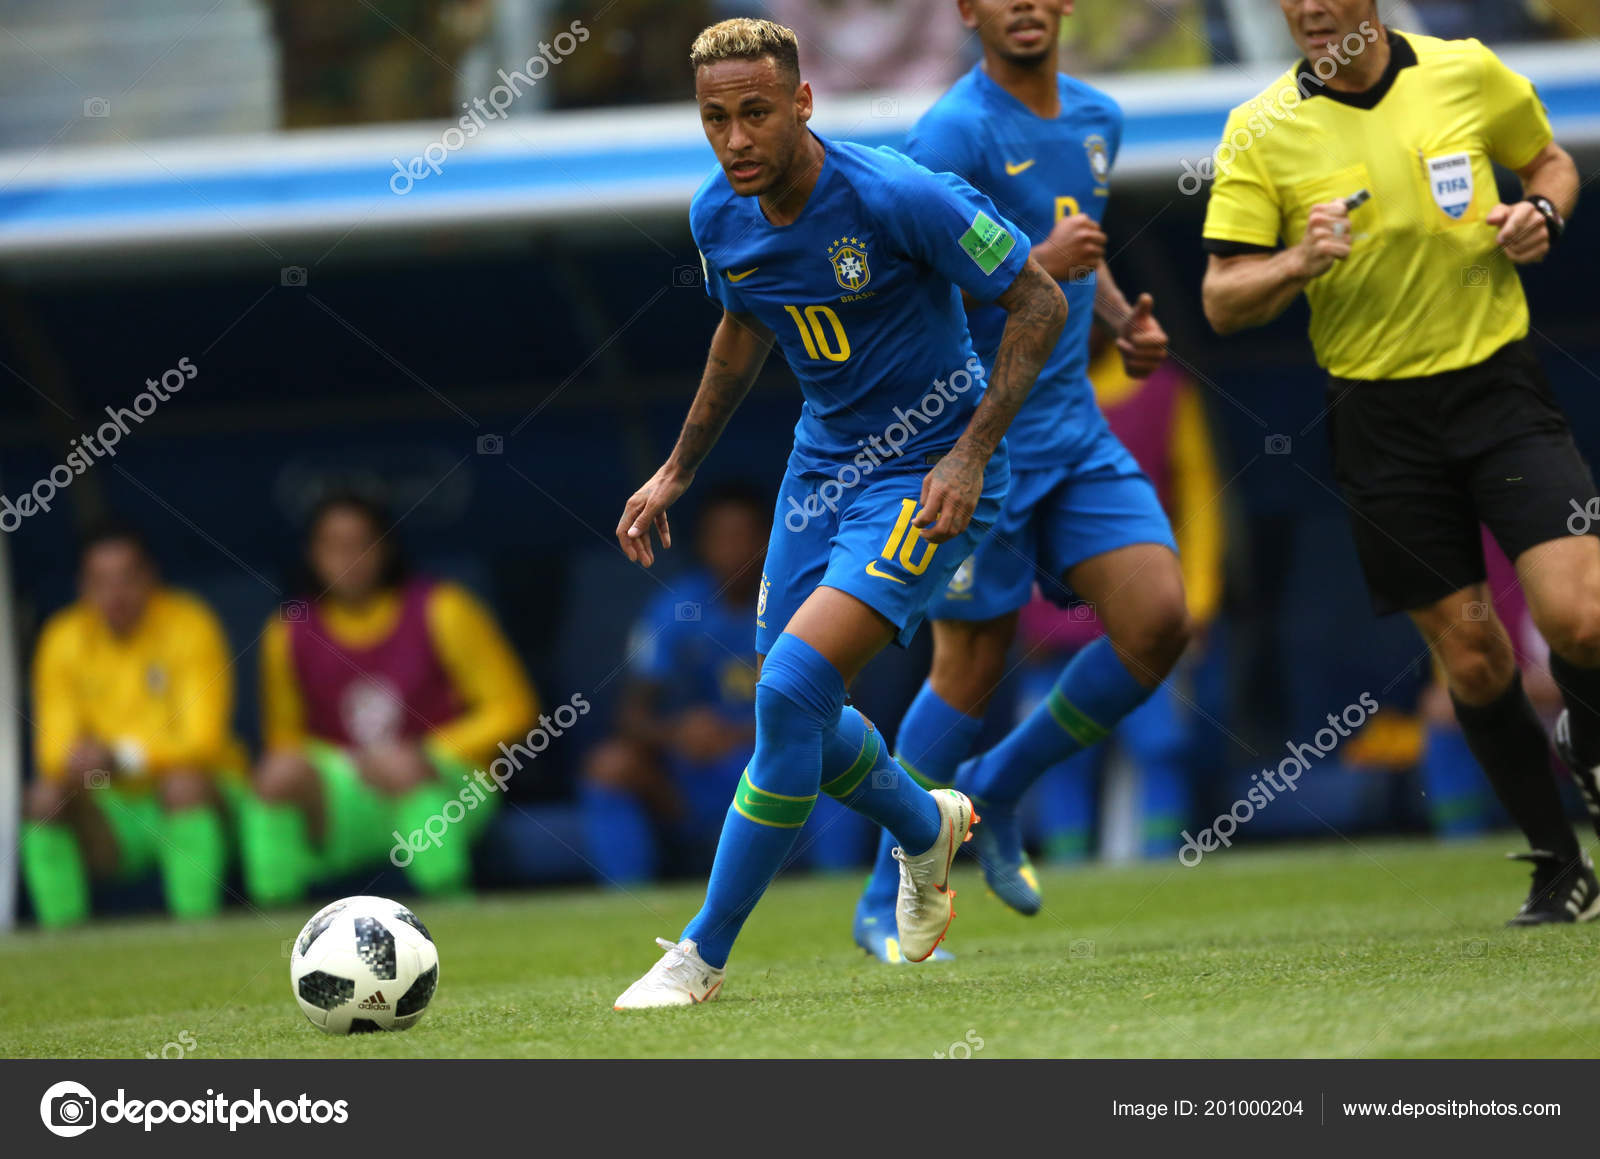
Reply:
x=1553, y=221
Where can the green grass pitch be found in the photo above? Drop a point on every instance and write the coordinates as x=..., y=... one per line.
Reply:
x=1377, y=948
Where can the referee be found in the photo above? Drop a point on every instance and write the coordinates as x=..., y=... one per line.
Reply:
x=1372, y=162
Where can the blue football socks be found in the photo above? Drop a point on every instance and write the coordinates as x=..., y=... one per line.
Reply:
x=1094, y=691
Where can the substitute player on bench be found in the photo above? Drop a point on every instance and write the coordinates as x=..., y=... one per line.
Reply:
x=1439, y=413
x=133, y=695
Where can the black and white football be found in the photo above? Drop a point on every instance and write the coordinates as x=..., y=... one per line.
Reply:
x=364, y=963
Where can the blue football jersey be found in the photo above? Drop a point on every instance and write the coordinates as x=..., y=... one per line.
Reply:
x=1036, y=171
x=697, y=648
x=862, y=291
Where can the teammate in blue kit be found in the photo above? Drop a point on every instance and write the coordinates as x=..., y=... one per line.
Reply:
x=1082, y=519
x=853, y=261
x=654, y=792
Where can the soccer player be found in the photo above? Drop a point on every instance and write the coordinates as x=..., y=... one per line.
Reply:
x=1161, y=420
x=132, y=697
x=1082, y=517
x=382, y=694
x=853, y=261
x=1381, y=188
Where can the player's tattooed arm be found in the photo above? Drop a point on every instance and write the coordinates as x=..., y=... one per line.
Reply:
x=738, y=350
x=1036, y=312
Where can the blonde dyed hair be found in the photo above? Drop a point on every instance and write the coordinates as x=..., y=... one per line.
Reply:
x=743, y=38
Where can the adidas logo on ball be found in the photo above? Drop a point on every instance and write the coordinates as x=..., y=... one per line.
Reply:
x=374, y=1002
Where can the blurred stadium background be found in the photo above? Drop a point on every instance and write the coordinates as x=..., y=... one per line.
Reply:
x=505, y=346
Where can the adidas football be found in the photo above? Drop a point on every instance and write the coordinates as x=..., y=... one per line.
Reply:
x=362, y=964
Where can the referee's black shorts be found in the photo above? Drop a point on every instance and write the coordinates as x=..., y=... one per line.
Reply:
x=1423, y=461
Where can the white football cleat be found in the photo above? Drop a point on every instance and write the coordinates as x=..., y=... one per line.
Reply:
x=681, y=978
x=926, y=905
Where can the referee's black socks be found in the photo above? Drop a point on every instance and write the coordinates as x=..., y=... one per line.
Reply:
x=1580, y=690
x=1509, y=741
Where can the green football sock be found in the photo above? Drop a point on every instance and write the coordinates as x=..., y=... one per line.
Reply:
x=193, y=859
x=444, y=864
x=275, y=851
x=52, y=867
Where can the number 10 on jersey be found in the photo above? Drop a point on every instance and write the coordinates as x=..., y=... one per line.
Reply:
x=822, y=332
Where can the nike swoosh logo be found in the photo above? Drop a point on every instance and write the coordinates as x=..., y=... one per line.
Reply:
x=1013, y=170
x=944, y=886
x=872, y=569
x=733, y=277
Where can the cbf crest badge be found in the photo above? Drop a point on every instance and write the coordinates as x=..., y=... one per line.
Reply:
x=849, y=258
x=1099, y=157
x=960, y=586
x=761, y=600
x=1450, y=178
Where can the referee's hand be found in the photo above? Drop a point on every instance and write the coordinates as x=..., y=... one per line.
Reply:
x=1327, y=238
x=1523, y=233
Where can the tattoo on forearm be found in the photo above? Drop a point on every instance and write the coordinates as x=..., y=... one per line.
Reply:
x=719, y=396
x=1036, y=315
x=722, y=388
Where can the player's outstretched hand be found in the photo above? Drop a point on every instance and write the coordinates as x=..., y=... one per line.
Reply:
x=1142, y=340
x=1524, y=235
x=647, y=511
x=950, y=494
x=1327, y=238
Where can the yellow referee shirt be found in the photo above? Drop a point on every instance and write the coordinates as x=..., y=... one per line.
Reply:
x=162, y=694
x=1425, y=288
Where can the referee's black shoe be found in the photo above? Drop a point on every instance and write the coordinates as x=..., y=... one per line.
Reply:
x=1562, y=892
x=1587, y=778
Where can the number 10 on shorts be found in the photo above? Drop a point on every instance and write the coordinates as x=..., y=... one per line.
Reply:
x=905, y=538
